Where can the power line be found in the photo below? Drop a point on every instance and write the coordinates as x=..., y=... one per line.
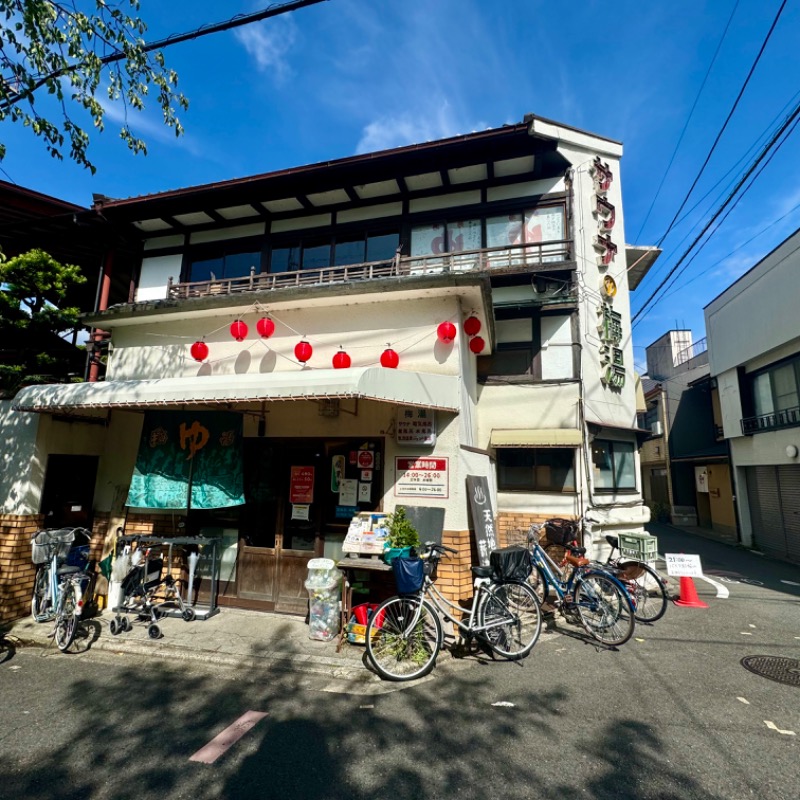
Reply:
x=787, y=122
x=204, y=30
x=727, y=120
x=688, y=120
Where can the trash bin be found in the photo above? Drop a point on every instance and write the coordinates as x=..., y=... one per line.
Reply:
x=323, y=585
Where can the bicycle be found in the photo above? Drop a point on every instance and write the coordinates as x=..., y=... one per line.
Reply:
x=598, y=599
x=404, y=634
x=644, y=584
x=60, y=581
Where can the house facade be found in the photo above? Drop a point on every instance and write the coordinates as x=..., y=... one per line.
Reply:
x=757, y=370
x=685, y=465
x=359, y=334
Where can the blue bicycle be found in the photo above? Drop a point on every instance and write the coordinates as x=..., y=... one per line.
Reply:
x=582, y=591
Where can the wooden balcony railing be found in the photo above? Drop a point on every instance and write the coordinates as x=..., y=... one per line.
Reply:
x=516, y=258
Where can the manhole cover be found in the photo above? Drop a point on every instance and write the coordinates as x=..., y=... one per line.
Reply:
x=775, y=668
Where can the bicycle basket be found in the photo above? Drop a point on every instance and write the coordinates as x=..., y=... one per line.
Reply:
x=53, y=541
x=560, y=531
x=409, y=574
x=510, y=563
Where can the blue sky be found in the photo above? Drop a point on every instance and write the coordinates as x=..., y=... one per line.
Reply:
x=349, y=76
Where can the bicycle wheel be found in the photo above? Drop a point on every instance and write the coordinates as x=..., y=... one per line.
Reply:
x=40, y=602
x=647, y=589
x=66, y=621
x=399, y=648
x=538, y=583
x=515, y=616
x=604, y=608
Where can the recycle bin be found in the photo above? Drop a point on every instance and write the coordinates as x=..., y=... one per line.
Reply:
x=323, y=585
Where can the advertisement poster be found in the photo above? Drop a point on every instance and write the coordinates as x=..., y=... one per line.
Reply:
x=421, y=477
x=301, y=485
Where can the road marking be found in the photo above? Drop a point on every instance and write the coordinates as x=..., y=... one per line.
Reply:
x=745, y=633
x=791, y=583
x=743, y=700
x=773, y=727
x=750, y=624
x=722, y=591
x=503, y=704
x=209, y=753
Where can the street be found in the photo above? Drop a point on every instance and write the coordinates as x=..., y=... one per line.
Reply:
x=672, y=714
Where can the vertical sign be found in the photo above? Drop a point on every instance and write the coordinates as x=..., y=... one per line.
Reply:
x=301, y=485
x=480, y=505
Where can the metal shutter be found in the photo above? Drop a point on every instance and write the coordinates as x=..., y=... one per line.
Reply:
x=765, y=511
x=789, y=484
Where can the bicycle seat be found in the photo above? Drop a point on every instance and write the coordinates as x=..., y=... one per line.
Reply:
x=67, y=570
x=482, y=572
x=577, y=551
x=576, y=560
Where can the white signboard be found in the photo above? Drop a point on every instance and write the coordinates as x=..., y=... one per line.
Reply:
x=681, y=565
x=701, y=479
x=421, y=477
x=415, y=427
x=348, y=492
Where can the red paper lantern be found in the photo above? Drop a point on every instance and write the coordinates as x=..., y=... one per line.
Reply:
x=341, y=360
x=472, y=325
x=303, y=351
x=199, y=351
x=238, y=330
x=389, y=359
x=477, y=344
x=265, y=327
x=446, y=332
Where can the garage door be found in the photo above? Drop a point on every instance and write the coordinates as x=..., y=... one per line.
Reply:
x=774, y=496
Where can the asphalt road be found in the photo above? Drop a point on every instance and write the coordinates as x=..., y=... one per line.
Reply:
x=671, y=715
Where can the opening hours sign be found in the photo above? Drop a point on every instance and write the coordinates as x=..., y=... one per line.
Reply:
x=421, y=477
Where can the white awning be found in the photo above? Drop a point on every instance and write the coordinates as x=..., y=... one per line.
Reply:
x=536, y=437
x=426, y=390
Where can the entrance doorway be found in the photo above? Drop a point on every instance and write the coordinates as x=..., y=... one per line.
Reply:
x=68, y=492
x=301, y=494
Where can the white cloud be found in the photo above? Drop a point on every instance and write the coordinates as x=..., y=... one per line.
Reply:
x=268, y=43
x=396, y=130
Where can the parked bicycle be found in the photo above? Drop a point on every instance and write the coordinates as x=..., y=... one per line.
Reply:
x=404, y=634
x=61, y=580
x=647, y=588
x=598, y=600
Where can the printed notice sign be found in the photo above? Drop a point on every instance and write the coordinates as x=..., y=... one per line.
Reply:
x=421, y=477
x=680, y=565
x=415, y=427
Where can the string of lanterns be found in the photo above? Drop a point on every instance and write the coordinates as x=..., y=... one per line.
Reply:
x=446, y=332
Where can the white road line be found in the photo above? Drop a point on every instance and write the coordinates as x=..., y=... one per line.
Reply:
x=773, y=727
x=791, y=583
x=722, y=591
x=743, y=700
x=209, y=753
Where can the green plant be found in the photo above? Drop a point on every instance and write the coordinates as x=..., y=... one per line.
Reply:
x=401, y=531
x=659, y=512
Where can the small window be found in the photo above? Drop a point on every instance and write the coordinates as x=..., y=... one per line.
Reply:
x=523, y=469
x=285, y=259
x=613, y=465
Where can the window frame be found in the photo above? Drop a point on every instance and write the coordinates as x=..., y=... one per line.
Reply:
x=769, y=372
x=616, y=488
x=532, y=488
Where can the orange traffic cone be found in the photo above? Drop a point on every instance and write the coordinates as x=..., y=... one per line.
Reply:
x=688, y=593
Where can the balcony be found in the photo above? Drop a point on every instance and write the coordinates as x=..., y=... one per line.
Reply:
x=539, y=257
x=786, y=418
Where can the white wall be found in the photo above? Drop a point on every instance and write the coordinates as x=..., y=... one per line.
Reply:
x=758, y=313
x=18, y=460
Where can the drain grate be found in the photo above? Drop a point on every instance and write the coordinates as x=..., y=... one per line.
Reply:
x=774, y=668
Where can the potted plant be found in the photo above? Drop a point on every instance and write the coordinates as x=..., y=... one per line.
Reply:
x=401, y=535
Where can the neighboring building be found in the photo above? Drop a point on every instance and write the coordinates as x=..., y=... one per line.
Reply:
x=685, y=465
x=754, y=354
x=477, y=287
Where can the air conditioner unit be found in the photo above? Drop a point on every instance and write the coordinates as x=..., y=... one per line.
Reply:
x=657, y=429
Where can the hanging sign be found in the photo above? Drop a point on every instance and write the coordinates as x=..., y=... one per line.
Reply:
x=421, y=477
x=301, y=485
x=416, y=427
x=480, y=506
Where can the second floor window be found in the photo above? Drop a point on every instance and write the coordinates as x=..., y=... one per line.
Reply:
x=223, y=260
x=776, y=389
